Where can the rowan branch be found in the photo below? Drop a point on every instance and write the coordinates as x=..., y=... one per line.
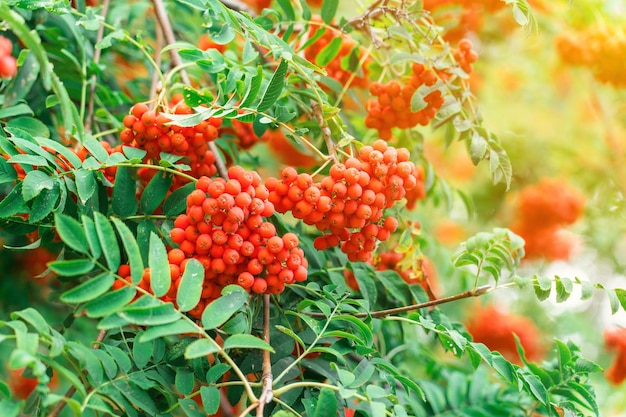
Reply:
x=382, y=313
x=266, y=394
x=96, y=58
x=70, y=392
x=168, y=32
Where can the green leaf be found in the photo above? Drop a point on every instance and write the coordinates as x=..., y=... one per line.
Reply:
x=7, y=172
x=160, y=280
x=621, y=296
x=16, y=110
x=181, y=326
x=367, y=285
x=274, y=88
x=137, y=396
x=329, y=10
x=417, y=99
x=564, y=287
x=132, y=250
x=151, y=315
x=85, y=184
x=34, y=183
x=246, y=341
x=124, y=200
x=43, y=204
x=542, y=287
x=478, y=148
x=110, y=303
x=329, y=52
x=34, y=160
x=29, y=125
x=255, y=87
x=176, y=202
x=564, y=354
x=613, y=300
x=107, y=41
x=108, y=241
x=142, y=351
x=586, y=289
x=155, y=192
x=65, y=152
x=34, y=318
x=201, y=347
x=71, y=268
x=190, y=288
x=395, y=285
x=96, y=149
x=210, y=399
x=327, y=401
x=89, y=290
x=219, y=311
x=92, y=236
x=534, y=384
x=71, y=232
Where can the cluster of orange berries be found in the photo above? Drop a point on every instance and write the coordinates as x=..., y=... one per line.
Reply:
x=349, y=203
x=8, y=64
x=616, y=340
x=334, y=68
x=149, y=130
x=495, y=328
x=393, y=105
x=465, y=56
x=246, y=138
x=600, y=49
x=543, y=209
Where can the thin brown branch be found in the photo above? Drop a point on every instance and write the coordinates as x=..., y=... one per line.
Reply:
x=72, y=390
x=266, y=394
x=382, y=313
x=239, y=6
x=96, y=58
x=168, y=32
x=154, y=85
x=319, y=117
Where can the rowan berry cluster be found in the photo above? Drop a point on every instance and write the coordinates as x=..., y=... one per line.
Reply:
x=495, y=328
x=349, y=203
x=334, y=68
x=150, y=130
x=465, y=56
x=543, y=209
x=8, y=64
x=600, y=49
x=246, y=138
x=393, y=105
x=615, y=340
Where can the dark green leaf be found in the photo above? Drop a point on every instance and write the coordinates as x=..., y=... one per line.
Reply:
x=7, y=172
x=124, y=200
x=246, y=341
x=327, y=401
x=34, y=183
x=71, y=232
x=43, y=204
x=176, y=202
x=155, y=192
x=178, y=327
x=210, y=399
x=108, y=241
x=150, y=316
x=201, y=347
x=92, y=236
x=329, y=52
x=274, y=88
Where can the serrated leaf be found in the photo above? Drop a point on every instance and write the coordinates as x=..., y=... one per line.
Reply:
x=155, y=192
x=110, y=303
x=85, y=184
x=132, y=250
x=246, y=341
x=34, y=183
x=108, y=241
x=478, y=148
x=201, y=347
x=210, y=399
x=274, y=88
x=71, y=232
x=160, y=280
x=72, y=267
x=89, y=290
x=190, y=288
x=564, y=287
x=124, y=200
x=329, y=10
x=219, y=311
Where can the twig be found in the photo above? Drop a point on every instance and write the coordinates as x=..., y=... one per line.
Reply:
x=319, y=116
x=154, y=85
x=239, y=6
x=168, y=32
x=96, y=58
x=266, y=394
x=70, y=392
x=382, y=313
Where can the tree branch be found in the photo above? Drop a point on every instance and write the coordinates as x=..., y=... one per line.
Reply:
x=382, y=313
x=96, y=58
x=168, y=32
x=267, y=394
x=70, y=392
